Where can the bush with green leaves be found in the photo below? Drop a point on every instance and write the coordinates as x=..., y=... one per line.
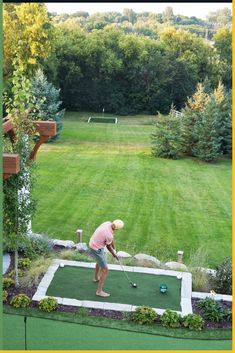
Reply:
x=228, y=315
x=20, y=301
x=212, y=310
x=48, y=304
x=13, y=273
x=7, y=282
x=24, y=263
x=4, y=296
x=222, y=282
x=171, y=318
x=167, y=141
x=144, y=315
x=193, y=322
x=35, y=246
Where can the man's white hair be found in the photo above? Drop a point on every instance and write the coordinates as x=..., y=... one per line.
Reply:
x=118, y=223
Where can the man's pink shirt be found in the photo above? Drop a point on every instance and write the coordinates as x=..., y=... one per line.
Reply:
x=102, y=236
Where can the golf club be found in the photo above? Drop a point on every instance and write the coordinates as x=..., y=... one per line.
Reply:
x=134, y=285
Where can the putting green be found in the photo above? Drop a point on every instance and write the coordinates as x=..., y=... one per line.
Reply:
x=76, y=282
x=44, y=334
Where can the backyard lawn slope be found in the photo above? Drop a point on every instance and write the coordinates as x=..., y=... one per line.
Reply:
x=98, y=172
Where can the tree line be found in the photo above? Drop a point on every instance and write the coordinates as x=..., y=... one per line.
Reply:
x=98, y=67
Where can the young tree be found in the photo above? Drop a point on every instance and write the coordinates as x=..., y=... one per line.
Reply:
x=47, y=101
x=208, y=145
x=167, y=140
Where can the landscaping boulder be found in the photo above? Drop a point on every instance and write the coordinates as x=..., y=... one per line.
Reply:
x=176, y=266
x=81, y=247
x=144, y=257
x=65, y=243
x=123, y=254
x=207, y=270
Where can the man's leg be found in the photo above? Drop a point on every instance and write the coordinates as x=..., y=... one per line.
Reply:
x=103, y=275
x=97, y=273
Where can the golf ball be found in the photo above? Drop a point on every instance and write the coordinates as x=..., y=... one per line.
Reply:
x=61, y=265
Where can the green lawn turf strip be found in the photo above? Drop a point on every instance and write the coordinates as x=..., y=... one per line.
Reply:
x=99, y=172
x=76, y=283
x=126, y=325
x=102, y=120
x=13, y=332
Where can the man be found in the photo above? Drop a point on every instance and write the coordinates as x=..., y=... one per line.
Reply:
x=103, y=236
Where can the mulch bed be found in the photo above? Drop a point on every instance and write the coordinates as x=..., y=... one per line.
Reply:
x=112, y=314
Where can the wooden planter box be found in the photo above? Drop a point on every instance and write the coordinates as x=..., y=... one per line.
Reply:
x=11, y=164
x=45, y=128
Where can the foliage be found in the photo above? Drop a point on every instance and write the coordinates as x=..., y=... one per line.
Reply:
x=24, y=263
x=193, y=322
x=84, y=312
x=167, y=141
x=4, y=296
x=13, y=273
x=208, y=145
x=28, y=34
x=213, y=311
x=47, y=101
x=222, y=282
x=200, y=281
x=7, y=282
x=35, y=246
x=48, y=304
x=228, y=315
x=144, y=315
x=20, y=301
x=170, y=319
x=33, y=275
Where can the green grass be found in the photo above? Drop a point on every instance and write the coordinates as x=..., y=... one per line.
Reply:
x=99, y=172
x=76, y=283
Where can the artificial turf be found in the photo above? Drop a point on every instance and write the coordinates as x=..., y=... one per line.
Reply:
x=56, y=335
x=76, y=283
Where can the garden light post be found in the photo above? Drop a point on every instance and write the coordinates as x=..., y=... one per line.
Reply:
x=180, y=254
x=79, y=235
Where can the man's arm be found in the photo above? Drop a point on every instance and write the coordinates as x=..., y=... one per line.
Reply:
x=110, y=249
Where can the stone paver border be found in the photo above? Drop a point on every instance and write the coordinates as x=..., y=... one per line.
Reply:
x=201, y=295
x=186, y=287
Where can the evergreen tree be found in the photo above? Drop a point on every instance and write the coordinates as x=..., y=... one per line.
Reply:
x=208, y=145
x=47, y=101
x=167, y=139
x=191, y=114
x=224, y=103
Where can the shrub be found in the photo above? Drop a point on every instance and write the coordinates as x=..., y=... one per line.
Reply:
x=48, y=304
x=7, y=282
x=228, y=315
x=212, y=309
x=222, y=282
x=67, y=254
x=167, y=141
x=81, y=257
x=37, y=268
x=200, y=281
x=4, y=296
x=20, y=301
x=83, y=312
x=170, y=319
x=33, y=247
x=24, y=263
x=193, y=322
x=13, y=272
x=144, y=315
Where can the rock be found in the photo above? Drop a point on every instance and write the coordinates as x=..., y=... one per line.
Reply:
x=210, y=271
x=148, y=258
x=65, y=243
x=6, y=262
x=123, y=254
x=176, y=266
x=81, y=247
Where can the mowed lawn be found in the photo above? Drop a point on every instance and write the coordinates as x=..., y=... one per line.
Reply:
x=98, y=172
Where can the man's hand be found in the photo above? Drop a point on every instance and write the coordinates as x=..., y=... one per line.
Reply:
x=110, y=249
